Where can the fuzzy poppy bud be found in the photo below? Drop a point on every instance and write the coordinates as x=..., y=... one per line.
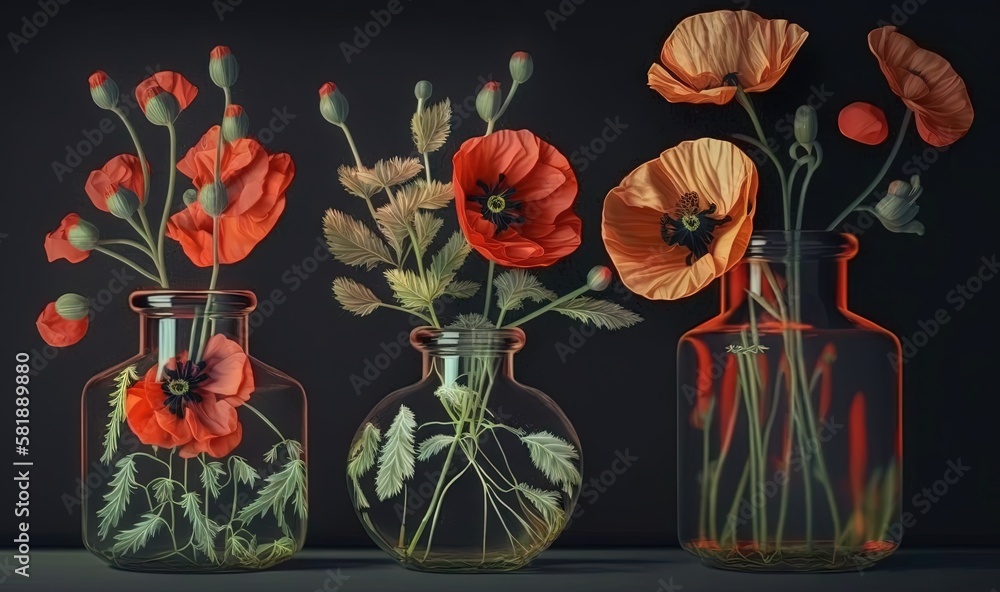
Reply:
x=123, y=203
x=423, y=90
x=864, y=123
x=488, y=101
x=190, y=196
x=599, y=278
x=222, y=67
x=214, y=198
x=333, y=104
x=521, y=66
x=806, y=126
x=72, y=307
x=235, y=124
x=160, y=107
x=103, y=90
x=83, y=235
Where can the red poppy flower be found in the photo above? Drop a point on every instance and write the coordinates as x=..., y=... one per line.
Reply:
x=928, y=85
x=171, y=82
x=194, y=405
x=124, y=170
x=60, y=332
x=514, y=194
x=58, y=246
x=256, y=182
x=863, y=122
x=857, y=428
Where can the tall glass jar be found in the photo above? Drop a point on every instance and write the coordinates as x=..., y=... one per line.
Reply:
x=789, y=417
x=197, y=449
x=467, y=470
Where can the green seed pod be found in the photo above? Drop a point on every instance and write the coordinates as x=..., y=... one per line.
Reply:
x=214, y=198
x=123, y=203
x=72, y=307
x=83, y=236
x=489, y=100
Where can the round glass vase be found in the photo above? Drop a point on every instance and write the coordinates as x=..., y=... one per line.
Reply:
x=789, y=417
x=193, y=451
x=467, y=470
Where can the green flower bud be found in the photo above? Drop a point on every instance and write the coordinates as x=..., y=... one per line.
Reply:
x=489, y=100
x=235, y=125
x=900, y=189
x=806, y=126
x=423, y=90
x=190, y=196
x=83, y=236
x=72, y=307
x=521, y=66
x=214, y=198
x=103, y=90
x=222, y=67
x=123, y=203
x=160, y=107
x=599, y=278
x=333, y=104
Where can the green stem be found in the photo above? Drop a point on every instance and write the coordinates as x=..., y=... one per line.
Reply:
x=350, y=142
x=211, y=287
x=489, y=289
x=744, y=101
x=139, y=152
x=168, y=203
x=128, y=262
x=881, y=174
x=127, y=243
x=582, y=290
x=407, y=311
x=813, y=165
x=265, y=420
x=503, y=108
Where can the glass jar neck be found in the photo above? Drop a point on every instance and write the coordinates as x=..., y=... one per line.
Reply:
x=175, y=322
x=452, y=353
x=449, y=367
x=805, y=290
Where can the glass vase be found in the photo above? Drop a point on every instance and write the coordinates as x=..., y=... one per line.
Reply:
x=467, y=470
x=197, y=449
x=789, y=417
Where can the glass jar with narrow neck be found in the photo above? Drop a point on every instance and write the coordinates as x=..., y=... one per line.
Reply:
x=789, y=417
x=194, y=451
x=466, y=470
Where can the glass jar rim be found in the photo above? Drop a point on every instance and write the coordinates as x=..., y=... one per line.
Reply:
x=182, y=303
x=453, y=341
x=783, y=245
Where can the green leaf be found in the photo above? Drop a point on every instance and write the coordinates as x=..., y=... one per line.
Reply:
x=211, y=472
x=362, y=458
x=272, y=553
x=427, y=196
x=284, y=487
x=163, y=490
x=456, y=398
x=425, y=228
x=411, y=292
x=203, y=530
x=125, y=379
x=472, y=320
x=116, y=500
x=135, y=538
x=396, y=462
x=394, y=219
x=516, y=286
x=462, y=289
x=554, y=457
x=352, y=242
x=354, y=297
x=451, y=256
x=434, y=445
x=431, y=126
x=547, y=503
x=243, y=472
x=601, y=313
x=240, y=549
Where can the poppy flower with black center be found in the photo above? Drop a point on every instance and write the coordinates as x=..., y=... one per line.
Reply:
x=514, y=194
x=676, y=223
x=193, y=404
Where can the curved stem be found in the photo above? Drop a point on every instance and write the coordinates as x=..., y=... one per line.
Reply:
x=744, y=101
x=128, y=243
x=350, y=142
x=410, y=312
x=489, y=289
x=128, y=262
x=503, y=108
x=881, y=174
x=172, y=179
x=582, y=290
x=813, y=165
x=265, y=420
x=139, y=152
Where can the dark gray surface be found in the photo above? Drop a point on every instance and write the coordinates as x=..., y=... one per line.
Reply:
x=642, y=570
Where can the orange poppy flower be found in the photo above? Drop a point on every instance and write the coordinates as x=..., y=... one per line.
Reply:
x=57, y=245
x=58, y=331
x=863, y=122
x=171, y=82
x=928, y=85
x=707, y=53
x=194, y=406
x=256, y=182
x=678, y=222
x=515, y=194
x=124, y=170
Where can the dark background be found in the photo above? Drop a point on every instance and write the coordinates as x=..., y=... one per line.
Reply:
x=618, y=388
